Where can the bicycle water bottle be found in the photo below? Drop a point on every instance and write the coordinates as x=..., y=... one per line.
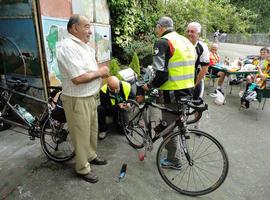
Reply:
x=161, y=126
x=26, y=115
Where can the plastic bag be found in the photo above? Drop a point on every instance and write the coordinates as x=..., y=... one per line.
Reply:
x=219, y=100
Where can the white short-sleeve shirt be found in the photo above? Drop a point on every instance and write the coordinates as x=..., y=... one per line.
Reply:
x=75, y=58
x=204, y=57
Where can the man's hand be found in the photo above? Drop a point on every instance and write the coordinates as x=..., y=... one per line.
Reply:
x=104, y=71
x=139, y=98
x=124, y=106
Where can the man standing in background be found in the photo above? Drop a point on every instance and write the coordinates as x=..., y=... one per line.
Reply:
x=202, y=59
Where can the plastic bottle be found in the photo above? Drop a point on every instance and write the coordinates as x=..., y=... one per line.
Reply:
x=26, y=115
x=122, y=172
x=161, y=126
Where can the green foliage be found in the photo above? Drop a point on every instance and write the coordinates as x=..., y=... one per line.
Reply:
x=115, y=68
x=142, y=47
x=260, y=8
x=135, y=64
x=213, y=15
x=134, y=21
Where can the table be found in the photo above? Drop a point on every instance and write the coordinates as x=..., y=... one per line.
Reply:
x=222, y=68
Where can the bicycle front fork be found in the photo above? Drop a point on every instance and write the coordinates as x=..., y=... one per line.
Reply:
x=183, y=146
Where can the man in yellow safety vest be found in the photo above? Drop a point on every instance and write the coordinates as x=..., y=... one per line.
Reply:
x=173, y=64
x=112, y=97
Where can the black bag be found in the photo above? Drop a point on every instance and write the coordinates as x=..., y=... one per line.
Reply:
x=58, y=111
x=59, y=114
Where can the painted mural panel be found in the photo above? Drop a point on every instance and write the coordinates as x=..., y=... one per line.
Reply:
x=62, y=9
x=84, y=7
x=19, y=51
x=102, y=13
x=103, y=42
x=15, y=8
x=54, y=30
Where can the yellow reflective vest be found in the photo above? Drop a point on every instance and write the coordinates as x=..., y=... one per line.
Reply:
x=126, y=90
x=181, y=66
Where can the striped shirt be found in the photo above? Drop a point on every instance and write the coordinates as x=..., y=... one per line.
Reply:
x=75, y=58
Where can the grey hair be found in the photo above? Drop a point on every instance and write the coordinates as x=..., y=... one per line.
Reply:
x=166, y=22
x=74, y=19
x=214, y=45
x=197, y=25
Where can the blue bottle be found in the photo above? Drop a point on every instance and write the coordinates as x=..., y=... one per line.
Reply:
x=26, y=115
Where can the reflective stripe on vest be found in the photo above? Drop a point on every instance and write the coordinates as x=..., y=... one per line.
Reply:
x=181, y=65
x=126, y=89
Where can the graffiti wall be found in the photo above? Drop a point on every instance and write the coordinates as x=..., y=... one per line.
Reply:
x=54, y=23
x=19, y=45
x=19, y=57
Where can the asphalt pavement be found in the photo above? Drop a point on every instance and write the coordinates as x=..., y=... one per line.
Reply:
x=26, y=173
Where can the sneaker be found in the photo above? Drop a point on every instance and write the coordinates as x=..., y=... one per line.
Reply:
x=102, y=135
x=91, y=177
x=245, y=104
x=167, y=164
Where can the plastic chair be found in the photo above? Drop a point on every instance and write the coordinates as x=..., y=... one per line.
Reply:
x=262, y=96
x=211, y=77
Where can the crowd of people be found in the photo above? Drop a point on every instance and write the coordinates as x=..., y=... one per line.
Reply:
x=179, y=63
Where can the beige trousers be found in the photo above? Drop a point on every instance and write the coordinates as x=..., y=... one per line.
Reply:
x=81, y=115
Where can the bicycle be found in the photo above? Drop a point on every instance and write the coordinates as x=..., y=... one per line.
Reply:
x=52, y=131
x=203, y=163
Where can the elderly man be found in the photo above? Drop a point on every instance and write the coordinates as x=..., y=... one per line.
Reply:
x=112, y=97
x=173, y=64
x=193, y=32
x=81, y=81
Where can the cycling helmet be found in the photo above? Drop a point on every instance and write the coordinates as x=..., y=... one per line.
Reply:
x=251, y=96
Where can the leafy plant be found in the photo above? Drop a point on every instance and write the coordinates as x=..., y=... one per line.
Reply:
x=135, y=64
x=115, y=68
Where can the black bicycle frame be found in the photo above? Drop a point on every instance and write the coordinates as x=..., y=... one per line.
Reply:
x=26, y=124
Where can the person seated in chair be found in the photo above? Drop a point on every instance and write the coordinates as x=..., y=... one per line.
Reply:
x=112, y=97
x=261, y=62
x=215, y=59
x=255, y=83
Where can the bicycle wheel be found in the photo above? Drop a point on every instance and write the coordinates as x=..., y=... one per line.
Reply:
x=134, y=125
x=55, y=141
x=208, y=167
x=4, y=126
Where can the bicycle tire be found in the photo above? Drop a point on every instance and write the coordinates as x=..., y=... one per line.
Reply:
x=4, y=126
x=55, y=141
x=133, y=130
x=207, y=153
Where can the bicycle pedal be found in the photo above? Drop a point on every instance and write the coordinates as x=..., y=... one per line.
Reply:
x=187, y=137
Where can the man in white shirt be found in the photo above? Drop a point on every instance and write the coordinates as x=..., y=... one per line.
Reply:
x=81, y=82
x=193, y=32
